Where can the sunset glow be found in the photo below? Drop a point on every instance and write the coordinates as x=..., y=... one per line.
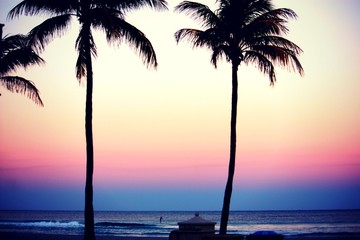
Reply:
x=167, y=130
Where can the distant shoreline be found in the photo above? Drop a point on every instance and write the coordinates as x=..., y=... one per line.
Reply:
x=40, y=236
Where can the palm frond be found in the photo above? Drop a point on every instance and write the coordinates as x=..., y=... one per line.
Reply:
x=23, y=86
x=285, y=13
x=281, y=56
x=277, y=41
x=270, y=23
x=11, y=42
x=80, y=65
x=16, y=52
x=218, y=53
x=42, y=34
x=81, y=45
x=37, y=7
x=198, y=38
x=234, y=14
x=19, y=58
x=198, y=12
x=256, y=8
x=124, y=31
x=129, y=5
x=104, y=19
x=262, y=63
x=192, y=35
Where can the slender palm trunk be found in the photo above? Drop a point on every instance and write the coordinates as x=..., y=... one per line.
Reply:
x=1, y=30
x=89, y=210
x=1, y=33
x=228, y=189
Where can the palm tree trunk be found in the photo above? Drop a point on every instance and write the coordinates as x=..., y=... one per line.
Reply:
x=228, y=189
x=1, y=30
x=89, y=233
x=1, y=34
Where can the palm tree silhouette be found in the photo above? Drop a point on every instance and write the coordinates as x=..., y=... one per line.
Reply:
x=242, y=31
x=16, y=52
x=107, y=15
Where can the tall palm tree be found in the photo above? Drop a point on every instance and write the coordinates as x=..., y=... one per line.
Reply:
x=242, y=31
x=107, y=15
x=15, y=52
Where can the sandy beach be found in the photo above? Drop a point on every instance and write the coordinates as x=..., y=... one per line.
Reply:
x=35, y=236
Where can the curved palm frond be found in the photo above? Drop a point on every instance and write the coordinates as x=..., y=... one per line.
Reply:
x=19, y=58
x=197, y=38
x=23, y=86
x=270, y=23
x=15, y=53
x=104, y=19
x=127, y=5
x=199, y=12
x=284, y=13
x=80, y=67
x=235, y=14
x=262, y=63
x=281, y=56
x=8, y=43
x=218, y=53
x=277, y=41
x=257, y=7
x=37, y=7
x=136, y=39
x=52, y=27
x=81, y=47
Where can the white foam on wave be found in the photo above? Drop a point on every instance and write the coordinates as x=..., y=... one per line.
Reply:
x=46, y=224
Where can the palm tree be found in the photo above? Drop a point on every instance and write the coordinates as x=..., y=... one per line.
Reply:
x=15, y=52
x=107, y=15
x=242, y=31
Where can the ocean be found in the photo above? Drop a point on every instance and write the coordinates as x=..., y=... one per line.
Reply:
x=147, y=223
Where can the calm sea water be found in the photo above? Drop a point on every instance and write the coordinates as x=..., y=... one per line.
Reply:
x=148, y=223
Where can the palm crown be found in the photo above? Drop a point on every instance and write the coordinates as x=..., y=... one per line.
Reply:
x=108, y=16
x=15, y=53
x=246, y=31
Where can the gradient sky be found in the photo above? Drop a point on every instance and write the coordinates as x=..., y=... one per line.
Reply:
x=162, y=137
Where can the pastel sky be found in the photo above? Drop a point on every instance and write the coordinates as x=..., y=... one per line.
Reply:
x=162, y=136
